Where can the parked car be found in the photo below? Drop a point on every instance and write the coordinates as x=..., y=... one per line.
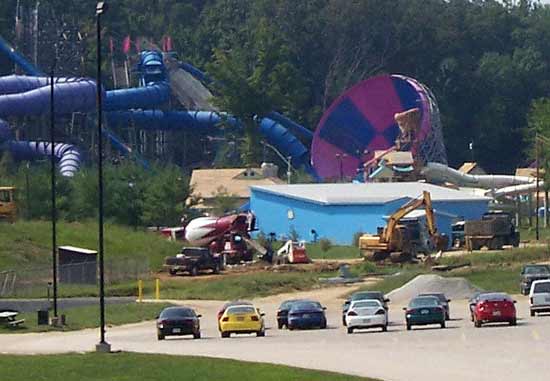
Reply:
x=229, y=304
x=192, y=260
x=282, y=312
x=497, y=307
x=178, y=321
x=531, y=273
x=369, y=313
x=539, y=297
x=424, y=310
x=363, y=295
x=443, y=301
x=242, y=319
x=307, y=314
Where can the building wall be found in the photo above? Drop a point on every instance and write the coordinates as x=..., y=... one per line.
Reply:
x=282, y=215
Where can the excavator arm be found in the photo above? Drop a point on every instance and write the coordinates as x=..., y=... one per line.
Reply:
x=406, y=209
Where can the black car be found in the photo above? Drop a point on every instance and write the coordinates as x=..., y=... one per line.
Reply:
x=192, y=260
x=364, y=295
x=178, y=321
x=531, y=273
x=282, y=312
x=306, y=314
x=442, y=300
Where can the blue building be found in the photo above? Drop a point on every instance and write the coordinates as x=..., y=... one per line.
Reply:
x=338, y=211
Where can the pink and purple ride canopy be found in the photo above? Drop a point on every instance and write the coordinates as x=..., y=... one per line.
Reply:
x=361, y=121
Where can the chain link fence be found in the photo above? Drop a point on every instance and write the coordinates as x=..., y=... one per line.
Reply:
x=73, y=279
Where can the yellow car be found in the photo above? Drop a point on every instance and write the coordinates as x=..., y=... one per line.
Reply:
x=242, y=319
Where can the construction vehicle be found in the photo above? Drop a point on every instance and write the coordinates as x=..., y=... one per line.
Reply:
x=8, y=206
x=494, y=230
x=292, y=252
x=396, y=240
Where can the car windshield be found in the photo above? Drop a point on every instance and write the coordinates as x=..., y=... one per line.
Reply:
x=542, y=287
x=237, y=303
x=495, y=297
x=440, y=297
x=367, y=295
x=366, y=304
x=236, y=310
x=287, y=304
x=428, y=301
x=532, y=270
x=306, y=306
x=174, y=313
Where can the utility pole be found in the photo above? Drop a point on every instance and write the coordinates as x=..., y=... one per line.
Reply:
x=52, y=162
x=537, y=191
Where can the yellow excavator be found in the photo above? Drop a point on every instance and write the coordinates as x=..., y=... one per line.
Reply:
x=8, y=207
x=396, y=239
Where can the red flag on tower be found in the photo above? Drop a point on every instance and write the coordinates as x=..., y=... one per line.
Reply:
x=126, y=44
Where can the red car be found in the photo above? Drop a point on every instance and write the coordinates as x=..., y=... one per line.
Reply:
x=494, y=308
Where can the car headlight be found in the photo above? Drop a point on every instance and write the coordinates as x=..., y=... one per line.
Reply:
x=161, y=326
x=408, y=316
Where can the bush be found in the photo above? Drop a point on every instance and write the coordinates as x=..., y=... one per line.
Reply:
x=325, y=244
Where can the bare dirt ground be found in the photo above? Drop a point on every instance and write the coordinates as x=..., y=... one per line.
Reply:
x=459, y=352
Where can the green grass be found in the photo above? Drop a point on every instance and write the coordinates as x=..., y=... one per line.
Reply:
x=88, y=317
x=335, y=252
x=517, y=256
x=133, y=366
x=28, y=243
x=529, y=234
x=505, y=279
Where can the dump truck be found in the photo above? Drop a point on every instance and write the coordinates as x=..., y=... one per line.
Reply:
x=8, y=206
x=494, y=230
x=396, y=240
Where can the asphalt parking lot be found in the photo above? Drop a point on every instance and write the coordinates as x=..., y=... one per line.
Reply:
x=459, y=352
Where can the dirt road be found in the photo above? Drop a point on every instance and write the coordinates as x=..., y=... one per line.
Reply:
x=460, y=352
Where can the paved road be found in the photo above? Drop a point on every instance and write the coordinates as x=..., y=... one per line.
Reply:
x=460, y=352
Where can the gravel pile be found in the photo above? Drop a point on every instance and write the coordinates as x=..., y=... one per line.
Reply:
x=453, y=288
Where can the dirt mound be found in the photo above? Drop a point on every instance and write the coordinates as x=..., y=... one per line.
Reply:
x=453, y=288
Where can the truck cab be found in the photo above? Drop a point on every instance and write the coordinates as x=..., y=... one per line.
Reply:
x=8, y=207
x=539, y=297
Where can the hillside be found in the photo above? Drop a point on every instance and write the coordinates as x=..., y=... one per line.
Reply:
x=27, y=244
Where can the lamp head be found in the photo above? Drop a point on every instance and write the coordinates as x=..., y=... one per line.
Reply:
x=101, y=7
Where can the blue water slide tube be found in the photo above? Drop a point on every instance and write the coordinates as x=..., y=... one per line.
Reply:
x=67, y=155
x=27, y=67
x=5, y=132
x=197, y=73
x=139, y=97
x=170, y=120
x=14, y=84
x=75, y=96
x=296, y=128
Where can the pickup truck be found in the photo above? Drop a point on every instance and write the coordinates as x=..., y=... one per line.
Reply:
x=531, y=273
x=192, y=260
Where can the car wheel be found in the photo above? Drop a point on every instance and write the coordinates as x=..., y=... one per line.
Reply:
x=533, y=313
x=350, y=330
x=344, y=321
x=160, y=337
x=385, y=328
x=217, y=268
x=280, y=325
x=409, y=327
x=197, y=335
x=260, y=333
x=225, y=335
x=513, y=322
x=324, y=325
x=447, y=316
x=443, y=324
x=194, y=271
x=172, y=272
x=477, y=323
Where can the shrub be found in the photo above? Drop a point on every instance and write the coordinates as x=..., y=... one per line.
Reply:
x=325, y=244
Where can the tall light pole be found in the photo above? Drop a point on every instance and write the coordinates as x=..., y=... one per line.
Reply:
x=54, y=207
x=103, y=346
x=537, y=186
x=287, y=160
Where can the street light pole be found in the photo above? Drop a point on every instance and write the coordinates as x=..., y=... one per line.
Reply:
x=537, y=192
x=103, y=346
x=54, y=209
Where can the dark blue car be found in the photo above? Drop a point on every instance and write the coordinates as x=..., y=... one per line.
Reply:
x=307, y=314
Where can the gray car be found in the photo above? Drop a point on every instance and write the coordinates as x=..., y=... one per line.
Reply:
x=443, y=301
x=531, y=273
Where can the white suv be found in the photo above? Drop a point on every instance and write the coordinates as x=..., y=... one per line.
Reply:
x=539, y=296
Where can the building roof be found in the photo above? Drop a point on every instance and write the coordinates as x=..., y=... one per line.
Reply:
x=470, y=167
x=399, y=158
x=529, y=172
x=236, y=181
x=365, y=193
